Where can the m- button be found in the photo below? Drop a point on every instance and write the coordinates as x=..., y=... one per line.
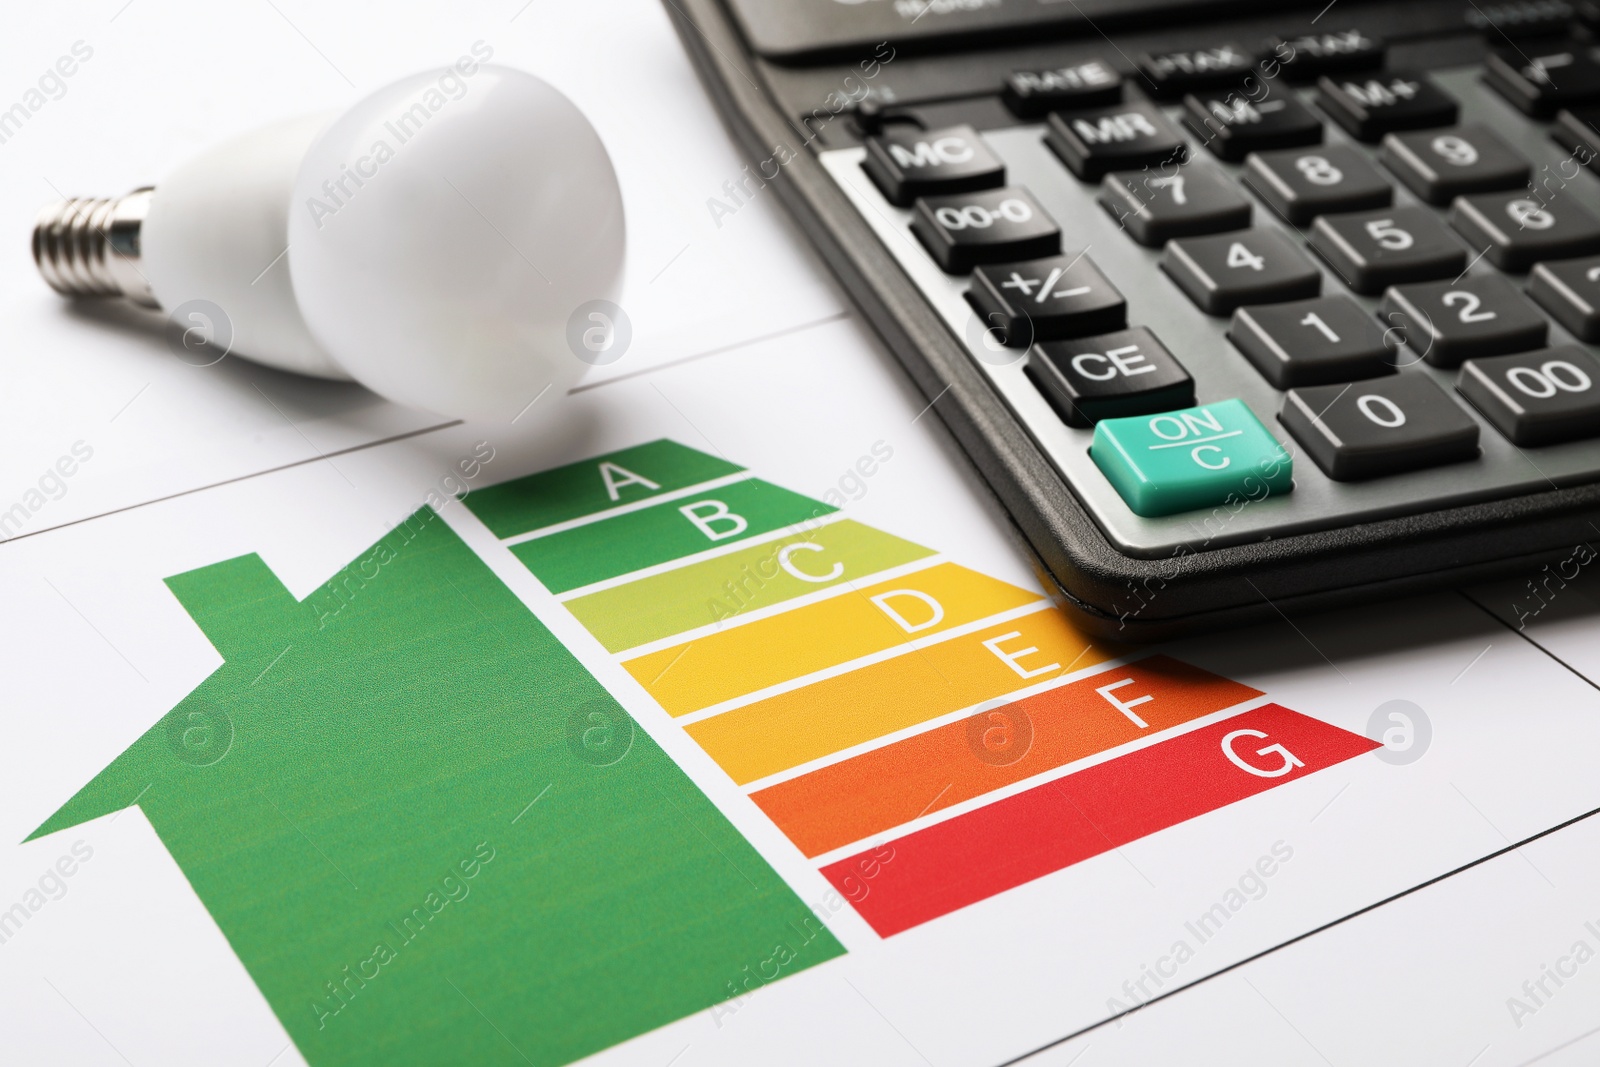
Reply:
x=908, y=163
x=1195, y=458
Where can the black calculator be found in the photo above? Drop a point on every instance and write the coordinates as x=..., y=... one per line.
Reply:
x=1240, y=309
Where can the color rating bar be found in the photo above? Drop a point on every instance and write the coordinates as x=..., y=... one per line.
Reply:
x=1026, y=836
x=725, y=587
x=836, y=713
x=882, y=788
x=826, y=633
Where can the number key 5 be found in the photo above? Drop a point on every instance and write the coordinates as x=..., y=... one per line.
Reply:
x=1375, y=249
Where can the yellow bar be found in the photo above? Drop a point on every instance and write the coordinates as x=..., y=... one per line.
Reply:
x=792, y=728
x=743, y=659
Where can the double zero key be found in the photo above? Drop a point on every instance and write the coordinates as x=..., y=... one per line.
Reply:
x=995, y=226
x=1537, y=398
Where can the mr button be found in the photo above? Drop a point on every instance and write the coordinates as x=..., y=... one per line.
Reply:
x=1124, y=373
x=1194, y=458
x=909, y=163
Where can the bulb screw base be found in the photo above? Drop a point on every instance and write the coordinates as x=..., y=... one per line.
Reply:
x=89, y=246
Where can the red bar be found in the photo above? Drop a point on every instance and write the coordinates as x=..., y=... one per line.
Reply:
x=974, y=856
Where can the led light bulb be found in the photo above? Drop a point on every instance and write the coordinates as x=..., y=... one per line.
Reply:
x=432, y=242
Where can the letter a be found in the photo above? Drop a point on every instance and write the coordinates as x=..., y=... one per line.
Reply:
x=609, y=470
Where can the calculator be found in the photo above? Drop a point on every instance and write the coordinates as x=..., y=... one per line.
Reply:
x=1239, y=309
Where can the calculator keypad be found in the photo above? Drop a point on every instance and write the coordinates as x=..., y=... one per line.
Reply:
x=1155, y=208
x=1380, y=426
x=1379, y=371
x=1301, y=184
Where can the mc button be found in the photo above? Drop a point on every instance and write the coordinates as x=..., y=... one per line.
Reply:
x=1195, y=458
x=908, y=163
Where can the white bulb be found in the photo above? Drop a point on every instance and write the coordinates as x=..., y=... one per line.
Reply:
x=432, y=242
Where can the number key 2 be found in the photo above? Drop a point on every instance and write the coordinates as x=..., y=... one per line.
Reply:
x=960, y=232
x=1300, y=185
x=1233, y=269
x=1374, y=249
x=1441, y=165
x=1480, y=315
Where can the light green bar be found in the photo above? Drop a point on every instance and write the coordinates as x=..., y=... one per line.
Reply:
x=649, y=609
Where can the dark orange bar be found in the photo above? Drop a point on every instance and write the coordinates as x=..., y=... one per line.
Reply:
x=880, y=789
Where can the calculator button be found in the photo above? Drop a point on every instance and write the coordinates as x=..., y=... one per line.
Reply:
x=1372, y=106
x=1300, y=185
x=993, y=226
x=1171, y=74
x=1372, y=250
x=1229, y=270
x=1440, y=165
x=1570, y=292
x=1577, y=129
x=1478, y=315
x=1095, y=141
x=1311, y=342
x=1382, y=426
x=906, y=163
x=1153, y=209
x=1046, y=299
x=1519, y=231
x=1034, y=93
x=1303, y=58
x=1234, y=123
x=1114, y=375
x=1539, y=82
x=1195, y=458
x=1537, y=398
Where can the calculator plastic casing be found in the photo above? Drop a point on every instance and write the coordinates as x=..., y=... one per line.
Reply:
x=1126, y=592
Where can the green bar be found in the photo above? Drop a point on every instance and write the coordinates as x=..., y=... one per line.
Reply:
x=722, y=588
x=592, y=485
x=427, y=831
x=625, y=543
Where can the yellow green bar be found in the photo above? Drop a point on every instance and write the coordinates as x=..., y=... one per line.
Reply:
x=724, y=588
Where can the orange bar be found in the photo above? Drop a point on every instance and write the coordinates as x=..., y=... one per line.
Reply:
x=794, y=643
x=792, y=728
x=885, y=787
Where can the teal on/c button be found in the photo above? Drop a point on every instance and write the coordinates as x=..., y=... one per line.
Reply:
x=1194, y=458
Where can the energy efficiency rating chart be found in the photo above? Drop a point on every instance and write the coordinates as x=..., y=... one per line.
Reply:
x=866, y=692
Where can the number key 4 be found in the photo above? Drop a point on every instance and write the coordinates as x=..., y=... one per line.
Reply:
x=1230, y=270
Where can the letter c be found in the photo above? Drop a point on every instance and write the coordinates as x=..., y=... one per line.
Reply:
x=788, y=550
x=1195, y=453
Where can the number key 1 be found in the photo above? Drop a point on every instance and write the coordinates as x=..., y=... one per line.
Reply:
x=1301, y=184
x=1440, y=165
x=1311, y=342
